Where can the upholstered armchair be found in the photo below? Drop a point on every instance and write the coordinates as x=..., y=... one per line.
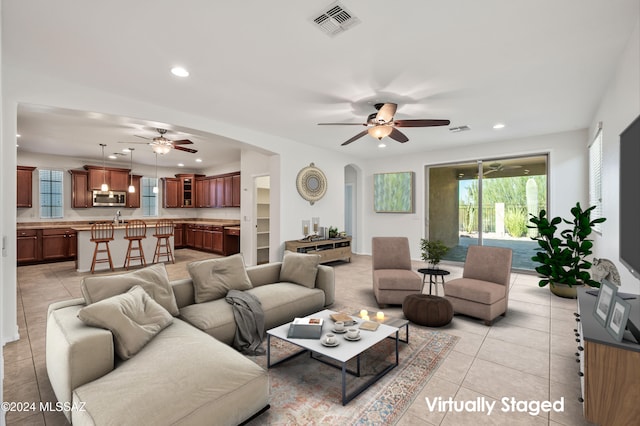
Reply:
x=393, y=278
x=483, y=290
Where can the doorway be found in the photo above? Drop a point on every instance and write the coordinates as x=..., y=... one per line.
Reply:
x=262, y=197
x=487, y=202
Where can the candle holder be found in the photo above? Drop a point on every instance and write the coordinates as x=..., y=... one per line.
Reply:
x=305, y=228
x=315, y=221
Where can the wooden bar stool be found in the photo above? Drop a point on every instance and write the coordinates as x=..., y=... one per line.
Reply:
x=101, y=233
x=164, y=231
x=135, y=231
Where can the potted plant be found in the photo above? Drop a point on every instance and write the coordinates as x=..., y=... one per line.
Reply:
x=563, y=258
x=432, y=251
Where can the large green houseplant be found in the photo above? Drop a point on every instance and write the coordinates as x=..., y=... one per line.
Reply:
x=432, y=251
x=563, y=258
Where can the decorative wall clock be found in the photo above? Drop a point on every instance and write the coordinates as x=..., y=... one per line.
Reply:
x=311, y=183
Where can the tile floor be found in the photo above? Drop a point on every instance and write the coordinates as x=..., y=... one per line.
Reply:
x=527, y=355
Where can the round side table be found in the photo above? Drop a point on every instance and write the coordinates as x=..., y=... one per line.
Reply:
x=433, y=277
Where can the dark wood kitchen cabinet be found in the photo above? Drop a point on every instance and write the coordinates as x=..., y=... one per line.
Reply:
x=27, y=250
x=24, y=186
x=58, y=244
x=170, y=193
x=117, y=179
x=178, y=235
x=80, y=194
x=133, y=198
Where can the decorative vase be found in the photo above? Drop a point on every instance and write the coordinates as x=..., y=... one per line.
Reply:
x=563, y=290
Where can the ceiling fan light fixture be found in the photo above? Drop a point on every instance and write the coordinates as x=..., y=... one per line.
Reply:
x=160, y=148
x=380, y=132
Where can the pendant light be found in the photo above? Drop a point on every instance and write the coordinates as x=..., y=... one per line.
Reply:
x=155, y=187
x=104, y=186
x=131, y=187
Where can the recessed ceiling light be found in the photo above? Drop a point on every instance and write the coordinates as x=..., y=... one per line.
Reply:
x=180, y=165
x=382, y=145
x=179, y=72
x=112, y=156
x=198, y=160
x=498, y=126
x=125, y=150
x=18, y=135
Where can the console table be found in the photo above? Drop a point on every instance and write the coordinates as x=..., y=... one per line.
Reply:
x=609, y=373
x=328, y=249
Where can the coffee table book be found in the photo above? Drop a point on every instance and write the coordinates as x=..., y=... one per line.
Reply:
x=341, y=316
x=369, y=325
x=305, y=328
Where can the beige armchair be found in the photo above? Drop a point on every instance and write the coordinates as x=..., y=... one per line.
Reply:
x=483, y=290
x=393, y=278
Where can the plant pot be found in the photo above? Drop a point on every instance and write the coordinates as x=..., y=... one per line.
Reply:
x=563, y=290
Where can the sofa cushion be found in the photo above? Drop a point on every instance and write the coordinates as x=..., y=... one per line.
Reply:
x=281, y=302
x=134, y=318
x=299, y=268
x=476, y=290
x=182, y=377
x=153, y=279
x=213, y=278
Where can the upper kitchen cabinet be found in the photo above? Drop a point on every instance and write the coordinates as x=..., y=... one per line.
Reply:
x=133, y=198
x=170, y=193
x=187, y=190
x=117, y=179
x=25, y=186
x=80, y=193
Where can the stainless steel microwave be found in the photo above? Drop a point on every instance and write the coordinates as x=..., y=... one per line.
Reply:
x=109, y=198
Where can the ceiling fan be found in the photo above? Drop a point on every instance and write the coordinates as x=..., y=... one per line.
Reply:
x=162, y=145
x=499, y=167
x=382, y=124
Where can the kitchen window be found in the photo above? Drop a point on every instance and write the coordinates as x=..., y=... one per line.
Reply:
x=149, y=198
x=51, y=194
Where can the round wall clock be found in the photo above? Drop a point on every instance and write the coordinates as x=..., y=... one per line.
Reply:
x=311, y=183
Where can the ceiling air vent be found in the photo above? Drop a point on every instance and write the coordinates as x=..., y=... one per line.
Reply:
x=335, y=19
x=459, y=129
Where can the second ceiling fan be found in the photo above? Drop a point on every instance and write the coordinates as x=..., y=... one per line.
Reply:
x=162, y=145
x=382, y=124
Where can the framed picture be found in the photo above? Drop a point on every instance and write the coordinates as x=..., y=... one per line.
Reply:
x=605, y=299
x=618, y=318
x=393, y=192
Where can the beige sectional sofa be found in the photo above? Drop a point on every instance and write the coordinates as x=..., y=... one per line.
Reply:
x=186, y=373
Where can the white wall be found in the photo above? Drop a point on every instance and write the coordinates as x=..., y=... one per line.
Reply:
x=619, y=107
x=568, y=157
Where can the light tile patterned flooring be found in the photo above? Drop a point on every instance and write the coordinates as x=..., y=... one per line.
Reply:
x=527, y=355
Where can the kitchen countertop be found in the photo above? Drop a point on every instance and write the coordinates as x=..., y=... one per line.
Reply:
x=85, y=225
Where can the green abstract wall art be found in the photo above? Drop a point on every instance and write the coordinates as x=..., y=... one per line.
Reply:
x=393, y=192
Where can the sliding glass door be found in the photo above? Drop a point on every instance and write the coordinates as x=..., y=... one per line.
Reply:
x=486, y=202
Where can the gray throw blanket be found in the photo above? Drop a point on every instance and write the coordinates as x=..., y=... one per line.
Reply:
x=249, y=317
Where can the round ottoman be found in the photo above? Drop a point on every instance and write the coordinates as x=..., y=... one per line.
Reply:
x=424, y=309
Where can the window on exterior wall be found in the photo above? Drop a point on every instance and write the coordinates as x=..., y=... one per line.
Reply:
x=149, y=198
x=595, y=177
x=51, y=194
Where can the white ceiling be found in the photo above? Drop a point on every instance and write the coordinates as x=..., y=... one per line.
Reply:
x=537, y=66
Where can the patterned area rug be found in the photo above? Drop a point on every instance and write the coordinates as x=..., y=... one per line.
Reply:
x=308, y=392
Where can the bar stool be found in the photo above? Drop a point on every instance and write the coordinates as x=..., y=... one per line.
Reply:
x=135, y=231
x=164, y=231
x=101, y=233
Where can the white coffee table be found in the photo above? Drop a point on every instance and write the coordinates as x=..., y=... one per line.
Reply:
x=342, y=353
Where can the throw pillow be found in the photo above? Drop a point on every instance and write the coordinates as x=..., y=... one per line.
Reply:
x=213, y=278
x=134, y=318
x=299, y=268
x=153, y=279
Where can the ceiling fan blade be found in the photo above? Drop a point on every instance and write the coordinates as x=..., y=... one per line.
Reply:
x=355, y=138
x=421, y=123
x=341, y=124
x=386, y=113
x=181, y=148
x=398, y=136
x=182, y=142
x=136, y=143
x=143, y=137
